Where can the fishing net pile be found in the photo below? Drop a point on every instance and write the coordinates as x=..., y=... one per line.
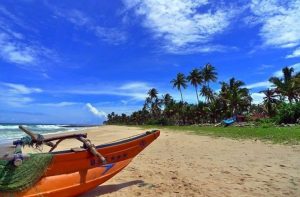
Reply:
x=14, y=179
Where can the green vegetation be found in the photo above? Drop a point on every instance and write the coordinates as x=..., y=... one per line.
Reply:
x=285, y=135
x=280, y=103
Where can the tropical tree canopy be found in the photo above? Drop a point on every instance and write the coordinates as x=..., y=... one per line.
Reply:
x=288, y=85
x=232, y=99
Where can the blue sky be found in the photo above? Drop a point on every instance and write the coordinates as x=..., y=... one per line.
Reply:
x=76, y=61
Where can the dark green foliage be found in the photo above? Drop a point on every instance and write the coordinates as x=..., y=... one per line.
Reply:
x=232, y=99
x=288, y=113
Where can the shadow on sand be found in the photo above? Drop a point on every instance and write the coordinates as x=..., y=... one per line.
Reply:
x=106, y=189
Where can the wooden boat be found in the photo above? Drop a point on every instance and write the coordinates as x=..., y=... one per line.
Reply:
x=77, y=171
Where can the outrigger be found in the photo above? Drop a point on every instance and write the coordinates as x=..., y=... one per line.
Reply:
x=65, y=173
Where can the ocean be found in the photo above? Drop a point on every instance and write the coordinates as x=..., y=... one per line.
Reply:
x=10, y=132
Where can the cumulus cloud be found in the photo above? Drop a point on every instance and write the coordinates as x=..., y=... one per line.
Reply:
x=95, y=111
x=181, y=24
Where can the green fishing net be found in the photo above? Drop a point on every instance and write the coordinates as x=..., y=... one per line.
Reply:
x=14, y=179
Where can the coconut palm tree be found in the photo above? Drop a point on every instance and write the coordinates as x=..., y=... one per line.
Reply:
x=180, y=82
x=270, y=99
x=195, y=78
x=287, y=85
x=153, y=101
x=207, y=92
x=209, y=74
x=167, y=99
x=236, y=95
x=152, y=93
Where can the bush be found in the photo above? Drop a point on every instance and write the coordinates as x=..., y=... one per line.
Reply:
x=288, y=113
x=160, y=121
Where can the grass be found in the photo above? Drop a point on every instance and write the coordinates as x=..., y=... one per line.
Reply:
x=283, y=135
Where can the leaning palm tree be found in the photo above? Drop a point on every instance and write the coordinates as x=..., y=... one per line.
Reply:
x=180, y=82
x=195, y=78
x=209, y=74
x=286, y=86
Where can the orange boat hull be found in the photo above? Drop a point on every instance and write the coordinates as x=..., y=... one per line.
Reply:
x=74, y=173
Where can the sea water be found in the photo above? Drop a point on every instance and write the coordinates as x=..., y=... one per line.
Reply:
x=9, y=132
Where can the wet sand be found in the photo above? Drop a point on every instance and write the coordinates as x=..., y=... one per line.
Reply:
x=183, y=164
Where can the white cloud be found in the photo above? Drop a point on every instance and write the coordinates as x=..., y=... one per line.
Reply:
x=280, y=22
x=95, y=111
x=108, y=34
x=262, y=84
x=257, y=97
x=136, y=91
x=15, y=51
x=21, y=89
x=296, y=67
x=296, y=53
x=141, y=86
x=16, y=47
x=16, y=95
x=265, y=66
x=180, y=23
x=59, y=104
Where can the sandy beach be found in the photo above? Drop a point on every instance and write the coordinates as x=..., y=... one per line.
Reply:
x=183, y=164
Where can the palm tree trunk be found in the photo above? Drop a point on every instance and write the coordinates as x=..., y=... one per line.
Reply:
x=181, y=95
x=197, y=94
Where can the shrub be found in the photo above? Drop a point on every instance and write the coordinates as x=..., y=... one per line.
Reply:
x=288, y=113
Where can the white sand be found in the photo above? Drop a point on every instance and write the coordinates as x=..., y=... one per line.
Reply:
x=182, y=164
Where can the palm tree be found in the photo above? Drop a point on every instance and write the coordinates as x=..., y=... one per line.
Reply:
x=287, y=86
x=153, y=101
x=152, y=93
x=180, y=82
x=209, y=74
x=269, y=101
x=195, y=79
x=238, y=98
x=167, y=99
x=207, y=92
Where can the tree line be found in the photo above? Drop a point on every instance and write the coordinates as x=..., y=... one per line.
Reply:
x=280, y=102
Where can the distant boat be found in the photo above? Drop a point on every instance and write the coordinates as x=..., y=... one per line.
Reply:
x=77, y=171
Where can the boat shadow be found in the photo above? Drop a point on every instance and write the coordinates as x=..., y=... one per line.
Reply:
x=106, y=189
